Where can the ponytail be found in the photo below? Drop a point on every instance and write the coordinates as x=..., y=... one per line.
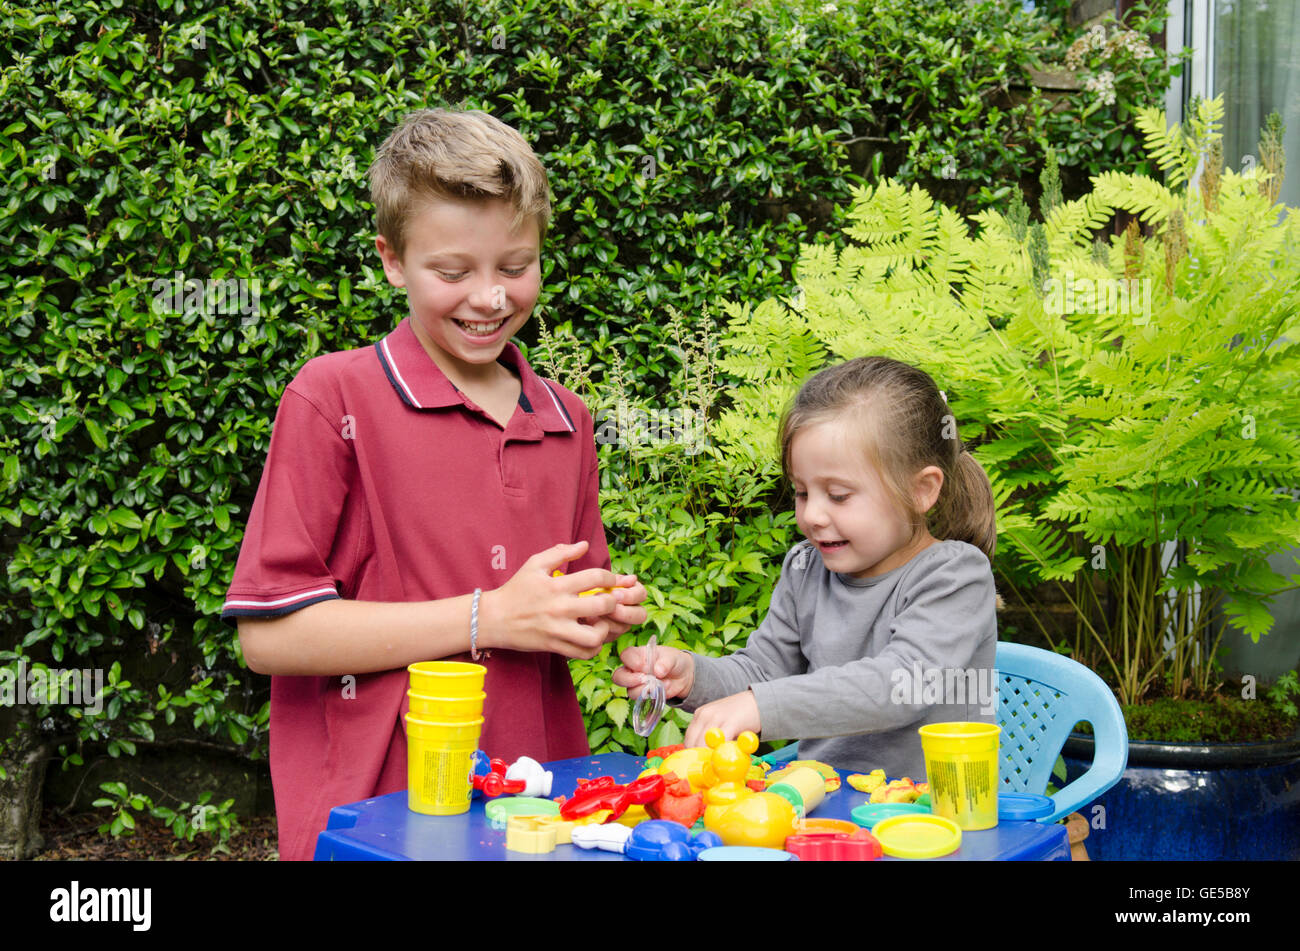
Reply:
x=965, y=511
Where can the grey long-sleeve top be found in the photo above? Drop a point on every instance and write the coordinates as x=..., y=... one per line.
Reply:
x=851, y=667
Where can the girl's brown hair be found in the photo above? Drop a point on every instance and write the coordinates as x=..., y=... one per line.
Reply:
x=905, y=426
x=440, y=154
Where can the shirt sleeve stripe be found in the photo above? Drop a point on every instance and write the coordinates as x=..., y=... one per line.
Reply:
x=231, y=615
x=266, y=604
x=560, y=406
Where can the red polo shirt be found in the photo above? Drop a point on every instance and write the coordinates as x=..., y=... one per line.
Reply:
x=385, y=483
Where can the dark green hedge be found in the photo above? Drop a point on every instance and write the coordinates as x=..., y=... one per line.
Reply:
x=142, y=146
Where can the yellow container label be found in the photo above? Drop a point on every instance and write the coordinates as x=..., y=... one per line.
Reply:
x=439, y=762
x=438, y=780
x=964, y=790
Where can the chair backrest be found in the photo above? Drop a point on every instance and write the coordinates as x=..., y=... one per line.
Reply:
x=1041, y=696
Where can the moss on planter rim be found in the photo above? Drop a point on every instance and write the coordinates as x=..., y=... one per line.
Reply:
x=1217, y=720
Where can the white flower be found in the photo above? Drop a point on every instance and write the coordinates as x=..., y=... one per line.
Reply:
x=1104, y=85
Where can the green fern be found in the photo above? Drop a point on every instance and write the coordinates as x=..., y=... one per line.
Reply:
x=1167, y=146
x=1142, y=416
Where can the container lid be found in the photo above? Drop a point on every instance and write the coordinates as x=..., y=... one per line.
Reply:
x=869, y=813
x=1023, y=806
x=445, y=668
x=744, y=853
x=917, y=836
x=500, y=810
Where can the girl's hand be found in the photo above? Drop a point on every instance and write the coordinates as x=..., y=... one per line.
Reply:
x=732, y=715
x=534, y=611
x=674, y=668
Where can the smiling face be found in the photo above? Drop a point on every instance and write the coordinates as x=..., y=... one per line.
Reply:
x=842, y=505
x=470, y=280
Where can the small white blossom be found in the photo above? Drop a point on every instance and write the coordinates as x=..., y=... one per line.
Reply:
x=1103, y=84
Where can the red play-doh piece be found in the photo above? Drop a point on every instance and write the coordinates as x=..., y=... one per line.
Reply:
x=663, y=752
x=678, y=803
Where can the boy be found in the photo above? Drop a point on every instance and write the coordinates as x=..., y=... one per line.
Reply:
x=424, y=481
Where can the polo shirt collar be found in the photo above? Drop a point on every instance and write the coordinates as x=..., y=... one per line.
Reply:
x=421, y=384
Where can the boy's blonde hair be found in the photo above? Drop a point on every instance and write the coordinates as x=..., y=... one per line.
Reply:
x=441, y=154
x=905, y=425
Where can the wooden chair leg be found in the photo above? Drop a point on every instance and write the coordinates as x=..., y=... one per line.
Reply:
x=1077, y=828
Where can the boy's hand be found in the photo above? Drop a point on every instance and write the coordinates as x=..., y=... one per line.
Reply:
x=674, y=668
x=534, y=611
x=732, y=715
x=629, y=613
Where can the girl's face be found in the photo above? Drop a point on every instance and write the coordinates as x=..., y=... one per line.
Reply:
x=842, y=507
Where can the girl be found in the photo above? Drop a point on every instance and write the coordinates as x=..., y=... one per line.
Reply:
x=883, y=618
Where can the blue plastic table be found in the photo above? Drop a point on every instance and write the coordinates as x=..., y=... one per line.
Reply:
x=384, y=829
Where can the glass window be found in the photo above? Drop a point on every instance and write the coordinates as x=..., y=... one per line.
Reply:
x=1257, y=71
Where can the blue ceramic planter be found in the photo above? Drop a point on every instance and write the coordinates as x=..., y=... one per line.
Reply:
x=1224, y=801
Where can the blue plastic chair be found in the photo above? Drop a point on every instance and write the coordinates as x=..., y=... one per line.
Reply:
x=1041, y=696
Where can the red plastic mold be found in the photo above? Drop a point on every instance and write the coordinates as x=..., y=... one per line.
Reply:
x=861, y=846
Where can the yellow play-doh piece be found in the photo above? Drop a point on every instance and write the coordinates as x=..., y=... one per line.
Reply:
x=900, y=790
x=557, y=573
x=688, y=764
x=634, y=816
x=867, y=782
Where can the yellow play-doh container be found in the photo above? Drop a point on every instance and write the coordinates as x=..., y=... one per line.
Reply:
x=446, y=708
x=809, y=784
x=961, y=766
x=446, y=678
x=439, y=761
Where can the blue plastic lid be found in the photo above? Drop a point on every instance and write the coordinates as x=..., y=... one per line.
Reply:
x=1023, y=807
x=744, y=853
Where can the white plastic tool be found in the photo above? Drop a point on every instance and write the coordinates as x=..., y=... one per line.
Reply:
x=611, y=837
x=532, y=773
